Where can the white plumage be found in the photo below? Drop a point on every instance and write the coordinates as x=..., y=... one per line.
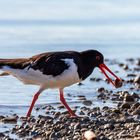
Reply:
x=30, y=76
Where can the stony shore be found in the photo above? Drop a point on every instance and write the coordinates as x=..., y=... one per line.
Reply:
x=121, y=122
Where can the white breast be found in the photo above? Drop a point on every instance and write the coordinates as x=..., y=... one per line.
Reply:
x=35, y=77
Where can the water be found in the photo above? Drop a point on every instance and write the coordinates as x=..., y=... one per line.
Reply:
x=29, y=27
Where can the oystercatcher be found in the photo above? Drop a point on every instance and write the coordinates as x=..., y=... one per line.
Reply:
x=56, y=70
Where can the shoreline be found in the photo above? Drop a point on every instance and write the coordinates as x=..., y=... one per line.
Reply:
x=121, y=121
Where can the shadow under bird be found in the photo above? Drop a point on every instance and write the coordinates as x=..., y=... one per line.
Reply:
x=56, y=70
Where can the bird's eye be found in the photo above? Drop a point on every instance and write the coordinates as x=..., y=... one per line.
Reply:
x=98, y=57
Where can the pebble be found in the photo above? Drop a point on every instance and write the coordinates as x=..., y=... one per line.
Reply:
x=138, y=62
x=135, y=105
x=81, y=97
x=102, y=96
x=1, y=117
x=125, y=67
x=10, y=119
x=60, y=107
x=136, y=112
x=136, y=95
x=87, y=102
x=129, y=98
x=109, y=126
x=116, y=111
x=80, y=84
x=125, y=106
x=1, y=135
x=137, y=79
x=89, y=135
x=101, y=90
x=131, y=75
x=95, y=79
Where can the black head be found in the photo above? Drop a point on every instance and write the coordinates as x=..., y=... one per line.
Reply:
x=92, y=59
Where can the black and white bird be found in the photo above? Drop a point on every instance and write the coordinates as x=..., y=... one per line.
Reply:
x=56, y=70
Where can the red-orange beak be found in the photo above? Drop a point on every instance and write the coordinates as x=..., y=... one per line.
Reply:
x=117, y=83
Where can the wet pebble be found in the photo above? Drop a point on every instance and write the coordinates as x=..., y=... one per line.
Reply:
x=125, y=106
x=81, y=97
x=1, y=117
x=138, y=62
x=125, y=67
x=80, y=84
x=12, y=119
x=60, y=107
x=129, y=98
x=101, y=90
x=95, y=79
x=87, y=102
x=2, y=135
x=136, y=111
x=137, y=79
x=131, y=75
x=109, y=126
x=102, y=96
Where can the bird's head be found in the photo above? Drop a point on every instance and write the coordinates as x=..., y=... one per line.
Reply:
x=97, y=60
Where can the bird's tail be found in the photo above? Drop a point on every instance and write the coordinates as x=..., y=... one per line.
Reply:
x=7, y=62
x=4, y=62
x=12, y=63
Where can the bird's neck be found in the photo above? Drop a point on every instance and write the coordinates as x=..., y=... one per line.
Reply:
x=87, y=69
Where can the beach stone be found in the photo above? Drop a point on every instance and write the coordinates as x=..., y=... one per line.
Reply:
x=81, y=97
x=138, y=62
x=37, y=138
x=89, y=135
x=138, y=128
x=81, y=112
x=2, y=135
x=102, y=96
x=125, y=67
x=131, y=75
x=109, y=126
x=101, y=90
x=80, y=84
x=60, y=107
x=76, y=137
x=1, y=117
x=95, y=79
x=137, y=79
x=121, y=64
x=116, y=111
x=135, y=95
x=125, y=106
x=12, y=119
x=122, y=94
x=135, y=105
x=129, y=98
x=87, y=102
x=137, y=86
x=136, y=112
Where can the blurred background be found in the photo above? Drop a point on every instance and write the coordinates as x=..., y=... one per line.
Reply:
x=35, y=26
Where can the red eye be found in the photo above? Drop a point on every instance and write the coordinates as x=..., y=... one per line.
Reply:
x=97, y=57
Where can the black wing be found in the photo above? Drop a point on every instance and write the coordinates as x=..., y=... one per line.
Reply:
x=52, y=64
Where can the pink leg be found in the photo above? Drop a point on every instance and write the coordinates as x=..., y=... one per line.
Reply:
x=33, y=102
x=62, y=99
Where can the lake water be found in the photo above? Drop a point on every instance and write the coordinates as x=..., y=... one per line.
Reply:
x=29, y=27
